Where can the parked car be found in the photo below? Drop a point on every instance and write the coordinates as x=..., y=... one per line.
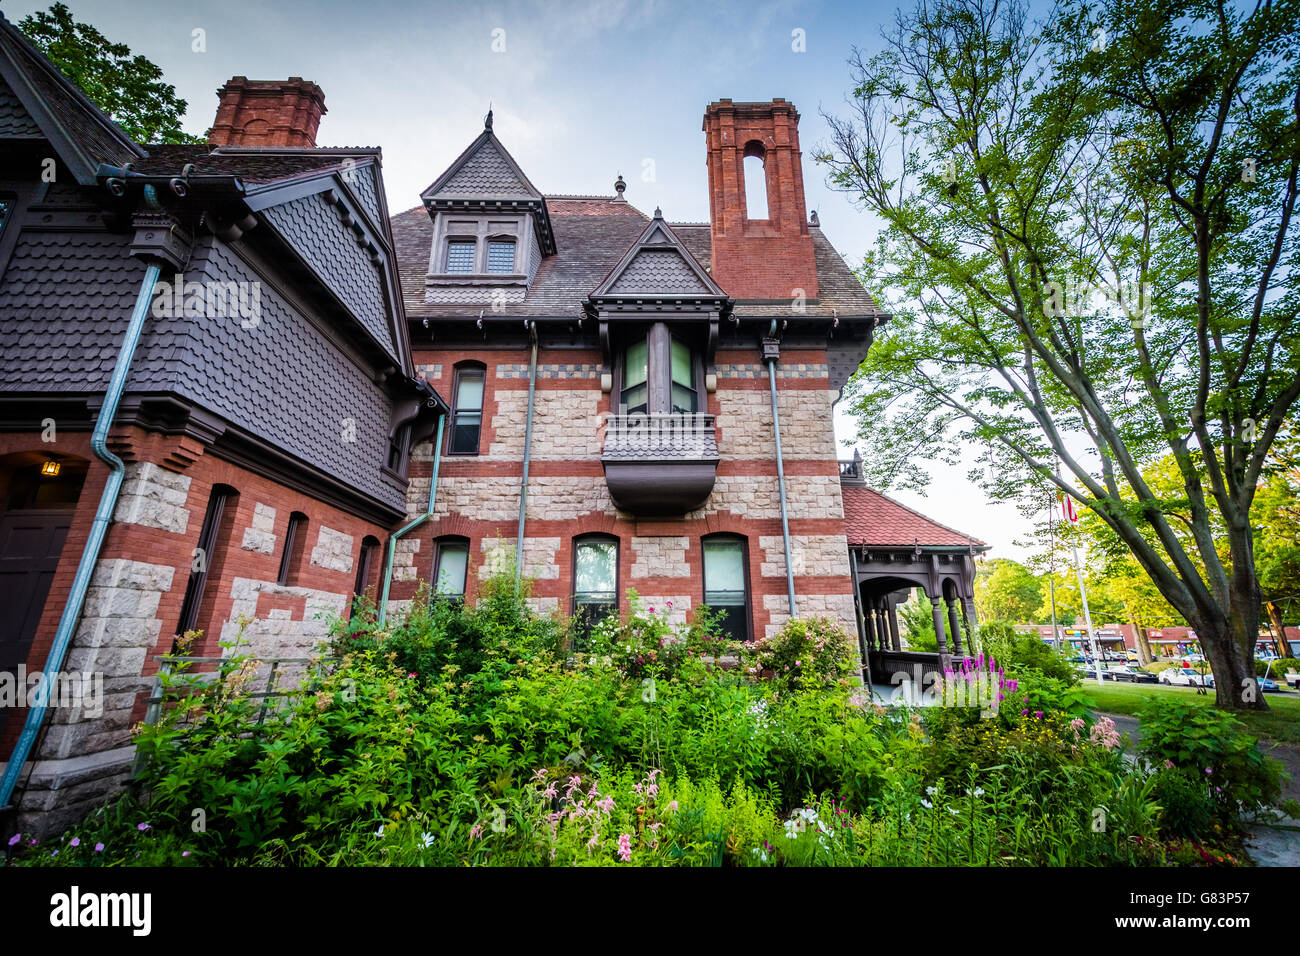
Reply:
x=1185, y=677
x=1134, y=675
x=1267, y=684
x=1132, y=655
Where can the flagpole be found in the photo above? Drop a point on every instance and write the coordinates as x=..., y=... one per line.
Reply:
x=1072, y=516
x=1051, y=574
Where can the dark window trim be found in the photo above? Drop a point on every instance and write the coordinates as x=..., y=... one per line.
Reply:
x=218, y=500
x=574, y=605
x=365, y=564
x=740, y=539
x=440, y=545
x=297, y=526
x=659, y=366
x=461, y=368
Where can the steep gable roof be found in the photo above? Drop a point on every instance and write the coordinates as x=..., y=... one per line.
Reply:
x=81, y=134
x=484, y=170
x=656, y=265
x=873, y=519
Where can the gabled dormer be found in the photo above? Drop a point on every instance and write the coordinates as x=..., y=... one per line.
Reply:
x=491, y=228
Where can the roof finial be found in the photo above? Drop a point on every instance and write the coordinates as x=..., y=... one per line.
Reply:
x=619, y=186
x=487, y=120
x=659, y=213
x=815, y=220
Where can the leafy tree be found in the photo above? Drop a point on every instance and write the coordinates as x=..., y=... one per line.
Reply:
x=128, y=88
x=1146, y=151
x=1006, y=590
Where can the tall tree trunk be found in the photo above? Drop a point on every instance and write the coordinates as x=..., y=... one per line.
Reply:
x=1279, y=629
x=1229, y=647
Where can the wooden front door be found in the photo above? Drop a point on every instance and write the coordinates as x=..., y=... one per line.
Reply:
x=30, y=545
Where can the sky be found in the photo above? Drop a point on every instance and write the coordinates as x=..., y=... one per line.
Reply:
x=581, y=92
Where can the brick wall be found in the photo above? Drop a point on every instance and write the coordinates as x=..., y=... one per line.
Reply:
x=478, y=496
x=134, y=602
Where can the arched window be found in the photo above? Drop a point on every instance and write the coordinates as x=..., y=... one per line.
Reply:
x=213, y=536
x=595, y=580
x=755, y=180
x=295, y=543
x=467, y=409
x=365, y=565
x=450, y=568
x=726, y=582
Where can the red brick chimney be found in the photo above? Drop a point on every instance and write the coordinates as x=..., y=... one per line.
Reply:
x=758, y=258
x=267, y=113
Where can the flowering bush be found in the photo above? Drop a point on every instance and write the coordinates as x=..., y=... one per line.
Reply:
x=807, y=654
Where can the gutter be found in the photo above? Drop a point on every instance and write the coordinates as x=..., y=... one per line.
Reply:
x=770, y=361
x=392, y=538
x=94, y=541
x=528, y=454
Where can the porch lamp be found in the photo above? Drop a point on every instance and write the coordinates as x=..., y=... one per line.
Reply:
x=50, y=468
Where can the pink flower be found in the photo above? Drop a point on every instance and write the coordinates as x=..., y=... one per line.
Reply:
x=653, y=790
x=670, y=603
x=1169, y=765
x=75, y=841
x=15, y=838
x=186, y=853
x=475, y=831
x=652, y=609
x=549, y=792
x=625, y=847
x=673, y=806
x=412, y=674
x=142, y=827
x=99, y=848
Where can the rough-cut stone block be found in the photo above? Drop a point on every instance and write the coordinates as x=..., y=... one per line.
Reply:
x=660, y=557
x=333, y=550
x=153, y=497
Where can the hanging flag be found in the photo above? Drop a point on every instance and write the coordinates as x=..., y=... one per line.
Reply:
x=1068, y=509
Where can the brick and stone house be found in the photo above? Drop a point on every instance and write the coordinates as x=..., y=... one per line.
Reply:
x=235, y=393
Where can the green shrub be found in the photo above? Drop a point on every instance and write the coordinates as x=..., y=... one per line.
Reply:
x=1018, y=652
x=811, y=653
x=1277, y=670
x=1209, y=745
x=1186, y=807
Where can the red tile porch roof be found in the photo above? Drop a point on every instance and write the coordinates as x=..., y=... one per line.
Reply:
x=871, y=518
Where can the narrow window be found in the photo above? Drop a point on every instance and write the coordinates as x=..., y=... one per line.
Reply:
x=450, y=568
x=501, y=256
x=683, y=379
x=365, y=564
x=460, y=256
x=724, y=585
x=755, y=181
x=222, y=497
x=635, y=375
x=467, y=411
x=294, y=539
x=397, y=449
x=595, y=582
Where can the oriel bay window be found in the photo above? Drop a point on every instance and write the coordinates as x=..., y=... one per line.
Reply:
x=726, y=584
x=595, y=581
x=659, y=373
x=450, y=568
x=467, y=410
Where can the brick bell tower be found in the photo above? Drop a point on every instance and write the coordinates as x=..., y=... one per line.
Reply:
x=758, y=258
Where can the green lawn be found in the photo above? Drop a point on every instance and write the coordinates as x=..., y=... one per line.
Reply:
x=1281, y=722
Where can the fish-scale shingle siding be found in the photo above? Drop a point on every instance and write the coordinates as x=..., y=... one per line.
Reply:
x=318, y=235
x=15, y=121
x=285, y=382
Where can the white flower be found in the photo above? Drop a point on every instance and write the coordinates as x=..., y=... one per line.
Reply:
x=931, y=791
x=953, y=812
x=380, y=831
x=428, y=839
x=979, y=791
x=926, y=804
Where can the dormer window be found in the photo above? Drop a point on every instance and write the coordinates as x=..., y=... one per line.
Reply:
x=460, y=256
x=501, y=256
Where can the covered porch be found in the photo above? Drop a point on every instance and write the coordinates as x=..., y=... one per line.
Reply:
x=894, y=550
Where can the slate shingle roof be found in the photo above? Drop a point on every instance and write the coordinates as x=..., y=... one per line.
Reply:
x=871, y=518
x=592, y=234
x=96, y=137
x=15, y=121
x=252, y=167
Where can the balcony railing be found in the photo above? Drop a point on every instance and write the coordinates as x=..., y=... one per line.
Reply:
x=660, y=464
x=851, y=471
x=669, y=437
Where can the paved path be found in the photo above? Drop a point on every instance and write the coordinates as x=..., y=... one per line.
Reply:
x=1268, y=846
